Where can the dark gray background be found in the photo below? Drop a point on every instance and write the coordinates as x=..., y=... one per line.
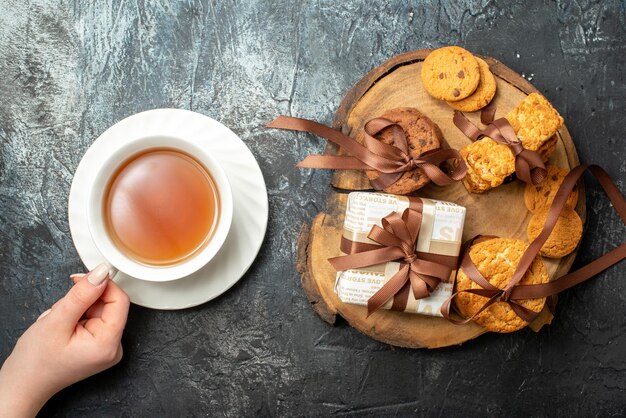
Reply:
x=70, y=69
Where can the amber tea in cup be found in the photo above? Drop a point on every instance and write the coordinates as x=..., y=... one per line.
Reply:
x=161, y=207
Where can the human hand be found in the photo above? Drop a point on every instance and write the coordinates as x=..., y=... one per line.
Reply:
x=77, y=338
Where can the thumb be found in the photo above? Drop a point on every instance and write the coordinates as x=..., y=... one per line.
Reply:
x=81, y=296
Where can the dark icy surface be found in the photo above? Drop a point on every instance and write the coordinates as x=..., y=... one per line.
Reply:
x=71, y=69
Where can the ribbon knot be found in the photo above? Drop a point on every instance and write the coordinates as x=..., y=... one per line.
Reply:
x=410, y=258
x=396, y=241
x=413, y=163
x=529, y=166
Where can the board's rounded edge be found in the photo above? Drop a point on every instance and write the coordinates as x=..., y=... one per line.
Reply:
x=304, y=267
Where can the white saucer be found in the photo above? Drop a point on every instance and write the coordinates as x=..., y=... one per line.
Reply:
x=249, y=200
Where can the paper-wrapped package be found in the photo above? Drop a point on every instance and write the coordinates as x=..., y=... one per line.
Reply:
x=439, y=240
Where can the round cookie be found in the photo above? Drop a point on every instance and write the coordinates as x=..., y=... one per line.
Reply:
x=484, y=92
x=422, y=135
x=564, y=237
x=496, y=259
x=541, y=195
x=450, y=73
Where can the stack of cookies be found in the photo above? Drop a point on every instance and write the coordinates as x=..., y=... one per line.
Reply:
x=496, y=259
x=490, y=163
x=455, y=75
x=569, y=227
x=422, y=134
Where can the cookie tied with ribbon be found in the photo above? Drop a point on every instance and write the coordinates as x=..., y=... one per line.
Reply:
x=529, y=166
x=512, y=294
x=390, y=160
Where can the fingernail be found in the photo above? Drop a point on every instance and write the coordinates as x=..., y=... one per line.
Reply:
x=98, y=275
x=77, y=275
x=44, y=313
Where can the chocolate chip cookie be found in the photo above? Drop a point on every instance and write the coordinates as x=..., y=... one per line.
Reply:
x=422, y=135
x=450, y=73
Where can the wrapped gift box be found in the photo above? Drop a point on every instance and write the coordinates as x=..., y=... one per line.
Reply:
x=440, y=234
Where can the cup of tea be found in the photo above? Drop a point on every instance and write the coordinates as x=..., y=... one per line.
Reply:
x=159, y=208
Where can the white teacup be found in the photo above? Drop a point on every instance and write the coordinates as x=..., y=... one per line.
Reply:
x=98, y=229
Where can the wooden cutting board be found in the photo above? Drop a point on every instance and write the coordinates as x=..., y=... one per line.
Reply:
x=501, y=211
